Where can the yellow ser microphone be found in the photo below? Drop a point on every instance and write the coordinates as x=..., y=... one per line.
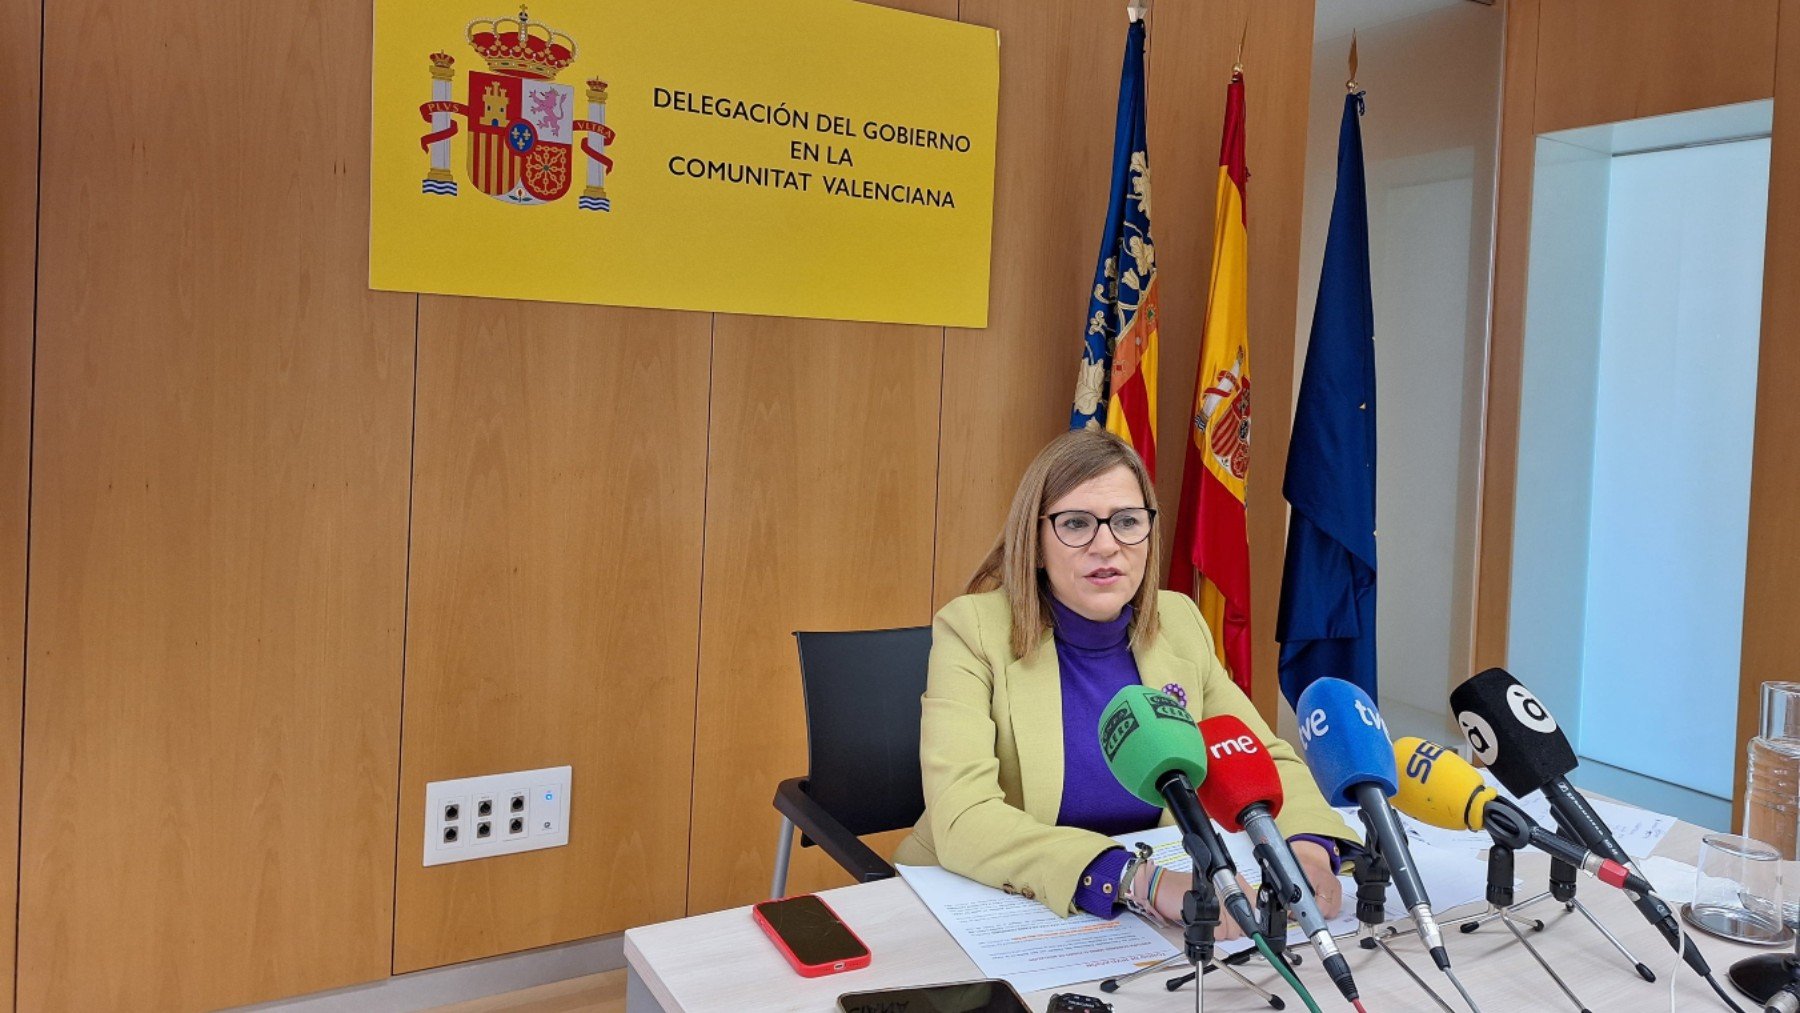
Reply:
x=1444, y=793
x=1441, y=788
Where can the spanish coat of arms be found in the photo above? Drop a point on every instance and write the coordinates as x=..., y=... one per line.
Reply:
x=522, y=124
x=1225, y=415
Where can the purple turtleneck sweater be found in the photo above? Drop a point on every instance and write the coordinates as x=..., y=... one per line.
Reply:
x=1096, y=662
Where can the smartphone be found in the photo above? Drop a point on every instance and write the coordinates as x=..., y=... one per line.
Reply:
x=989, y=996
x=810, y=935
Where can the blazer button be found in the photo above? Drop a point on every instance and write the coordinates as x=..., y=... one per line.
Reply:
x=1028, y=894
x=1008, y=888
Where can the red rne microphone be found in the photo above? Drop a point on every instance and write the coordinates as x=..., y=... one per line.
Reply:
x=1242, y=791
x=1240, y=775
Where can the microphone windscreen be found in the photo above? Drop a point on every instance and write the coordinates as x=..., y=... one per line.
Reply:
x=1438, y=787
x=1145, y=735
x=1511, y=731
x=1239, y=772
x=1344, y=739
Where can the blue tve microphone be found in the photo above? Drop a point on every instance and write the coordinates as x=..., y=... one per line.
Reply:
x=1346, y=744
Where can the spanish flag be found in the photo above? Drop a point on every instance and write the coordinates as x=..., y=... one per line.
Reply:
x=1210, y=533
x=1118, y=356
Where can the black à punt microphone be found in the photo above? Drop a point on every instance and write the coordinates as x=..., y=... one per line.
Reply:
x=1512, y=732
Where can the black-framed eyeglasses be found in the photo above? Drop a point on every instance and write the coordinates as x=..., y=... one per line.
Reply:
x=1077, y=528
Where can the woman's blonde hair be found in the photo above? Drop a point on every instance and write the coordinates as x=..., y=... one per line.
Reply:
x=1016, y=560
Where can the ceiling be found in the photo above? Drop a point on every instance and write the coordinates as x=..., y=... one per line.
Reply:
x=1334, y=18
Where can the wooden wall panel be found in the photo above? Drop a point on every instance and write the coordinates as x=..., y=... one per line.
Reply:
x=1772, y=562
x=218, y=515
x=554, y=611
x=821, y=481
x=1574, y=63
x=1506, y=337
x=821, y=489
x=1007, y=388
x=1577, y=63
x=18, y=267
x=1607, y=60
x=1192, y=52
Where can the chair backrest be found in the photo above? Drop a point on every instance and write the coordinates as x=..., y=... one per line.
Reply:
x=862, y=724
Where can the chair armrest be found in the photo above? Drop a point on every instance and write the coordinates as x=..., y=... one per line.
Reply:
x=844, y=847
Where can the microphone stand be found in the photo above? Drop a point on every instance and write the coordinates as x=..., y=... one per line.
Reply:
x=1372, y=878
x=1500, y=907
x=1199, y=919
x=1765, y=976
x=1562, y=889
x=1272, y=902
x=1275, y=895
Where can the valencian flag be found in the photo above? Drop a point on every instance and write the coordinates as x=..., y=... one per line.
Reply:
x=1327, y=621
x=1209, y=527
x=1117, y=384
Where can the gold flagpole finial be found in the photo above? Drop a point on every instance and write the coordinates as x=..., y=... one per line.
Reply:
x=1351, y=84
x=1238, y=67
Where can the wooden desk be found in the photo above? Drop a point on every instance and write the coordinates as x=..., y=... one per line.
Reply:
x=722, y=961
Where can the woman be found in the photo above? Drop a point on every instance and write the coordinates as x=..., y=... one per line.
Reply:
x=1063, y=613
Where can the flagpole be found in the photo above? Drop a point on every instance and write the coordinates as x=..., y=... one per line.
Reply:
x=1351, y=84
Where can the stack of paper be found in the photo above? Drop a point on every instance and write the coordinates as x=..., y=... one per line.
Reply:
x=1022, y=941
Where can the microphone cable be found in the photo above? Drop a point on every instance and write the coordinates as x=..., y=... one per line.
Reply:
x=1681, y=945
x=1287, y=974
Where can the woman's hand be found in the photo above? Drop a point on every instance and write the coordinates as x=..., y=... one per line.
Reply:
x=1315, y=861
x=1171, y=891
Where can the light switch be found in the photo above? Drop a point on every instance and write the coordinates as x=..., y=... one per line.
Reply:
x=546, y=809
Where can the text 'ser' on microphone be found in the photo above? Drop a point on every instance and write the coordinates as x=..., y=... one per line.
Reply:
x=1346, y=745
x=1513, y=733
x=1155, y=750
x=1439, y=788
x=1242, y=791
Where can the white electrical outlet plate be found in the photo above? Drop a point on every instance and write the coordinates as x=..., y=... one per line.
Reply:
x=525, y=811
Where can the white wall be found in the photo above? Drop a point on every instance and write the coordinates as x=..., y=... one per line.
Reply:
x=1556, y=425
x=1671, y=468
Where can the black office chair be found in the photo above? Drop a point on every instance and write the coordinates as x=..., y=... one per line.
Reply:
x=862, y=692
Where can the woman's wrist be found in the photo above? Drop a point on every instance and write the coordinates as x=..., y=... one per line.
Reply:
x=1138, y=883
x=1333, y=853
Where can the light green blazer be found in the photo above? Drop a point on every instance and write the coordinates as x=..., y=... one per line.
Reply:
x=991, y=749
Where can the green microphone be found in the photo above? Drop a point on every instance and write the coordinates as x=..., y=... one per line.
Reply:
x=1147, y=735
x=1155, y=749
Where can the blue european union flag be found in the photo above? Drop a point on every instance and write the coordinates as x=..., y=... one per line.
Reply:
x=1327, y=621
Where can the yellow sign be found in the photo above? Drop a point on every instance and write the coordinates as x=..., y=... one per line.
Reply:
x=815, y=158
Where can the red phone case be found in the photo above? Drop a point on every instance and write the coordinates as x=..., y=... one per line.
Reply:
x=811, y=970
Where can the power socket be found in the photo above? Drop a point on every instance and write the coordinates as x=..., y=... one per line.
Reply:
x=496, y=814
